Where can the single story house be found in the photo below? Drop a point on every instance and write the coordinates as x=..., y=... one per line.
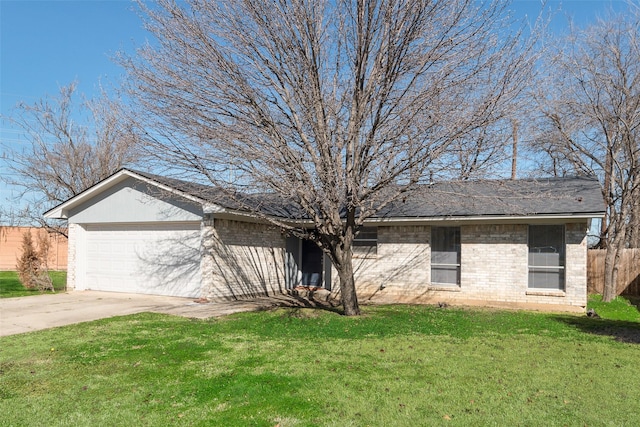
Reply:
x=517, y=242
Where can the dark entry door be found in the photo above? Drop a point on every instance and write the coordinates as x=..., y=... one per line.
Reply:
x=312, y=265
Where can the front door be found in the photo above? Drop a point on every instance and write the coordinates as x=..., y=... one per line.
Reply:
x=306, y=265
x=311, y=264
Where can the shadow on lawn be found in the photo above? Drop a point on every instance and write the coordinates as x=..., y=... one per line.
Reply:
x=620, y=330
x=634, y=300
x=309, y=300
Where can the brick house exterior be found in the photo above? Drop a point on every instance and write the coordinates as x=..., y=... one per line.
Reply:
x=529, y=251
x=249, y=260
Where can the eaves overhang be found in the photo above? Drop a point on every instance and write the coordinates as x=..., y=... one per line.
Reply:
x=62, y=210
x=483, y=219
x=448, y=220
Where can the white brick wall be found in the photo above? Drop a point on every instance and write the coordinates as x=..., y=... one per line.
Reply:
x=247, y=259
x=494, y=262
x=242, y=259
x=576, y=265
x=401, y=266
x=72, y=234
x=494, y=267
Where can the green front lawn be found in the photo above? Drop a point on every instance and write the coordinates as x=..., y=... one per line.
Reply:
x=10, y=285
x=621, y=308
x=394, y=366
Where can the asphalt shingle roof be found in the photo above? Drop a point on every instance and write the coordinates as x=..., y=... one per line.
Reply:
x=551, y=196
x=524, y=197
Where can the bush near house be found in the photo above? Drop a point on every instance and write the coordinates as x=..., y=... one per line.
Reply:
x=32, y=267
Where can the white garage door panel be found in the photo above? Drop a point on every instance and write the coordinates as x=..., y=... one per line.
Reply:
x=161, y=259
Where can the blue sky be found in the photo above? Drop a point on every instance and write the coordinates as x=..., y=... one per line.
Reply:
x=45, y=44
x=48, y=44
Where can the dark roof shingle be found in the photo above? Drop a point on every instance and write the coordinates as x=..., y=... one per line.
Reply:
x=524, y=197
x=550, y=196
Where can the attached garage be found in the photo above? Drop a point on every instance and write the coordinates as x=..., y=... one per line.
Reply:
x=154, y=258
x=128, y=234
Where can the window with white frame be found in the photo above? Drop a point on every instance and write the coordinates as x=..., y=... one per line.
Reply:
x=365, y=242
x=546, y=257
x=445, y=255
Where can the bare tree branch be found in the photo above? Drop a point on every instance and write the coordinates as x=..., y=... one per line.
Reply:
x=590, y=122
x=61, y=156
x=340, y=107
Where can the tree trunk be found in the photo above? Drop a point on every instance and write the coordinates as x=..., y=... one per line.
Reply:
x=345, y=269
x=348, y=286
x=514, y=152
x=606, y=193
x=610, y=274
x=614, y=252
x=611, y=263
x=634, y=223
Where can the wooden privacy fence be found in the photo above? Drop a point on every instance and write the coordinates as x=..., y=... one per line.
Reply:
x=11, y=247
x=628, y=272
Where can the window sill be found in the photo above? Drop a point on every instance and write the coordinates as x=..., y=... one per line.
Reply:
x=449, y=288
x=546, y=293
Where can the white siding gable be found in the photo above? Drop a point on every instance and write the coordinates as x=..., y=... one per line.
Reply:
x=135, y=201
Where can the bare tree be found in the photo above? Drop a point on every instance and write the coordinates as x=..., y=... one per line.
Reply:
x=480, y=154
x=61, y=156
x=339, y=107
x=590, y=123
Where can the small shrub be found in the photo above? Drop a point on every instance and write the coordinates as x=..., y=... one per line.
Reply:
x=28, y=261
x=32, y=264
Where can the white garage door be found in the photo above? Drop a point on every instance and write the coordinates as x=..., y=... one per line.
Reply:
x=159, y=258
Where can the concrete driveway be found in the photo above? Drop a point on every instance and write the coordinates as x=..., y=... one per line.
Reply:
x=33, y=313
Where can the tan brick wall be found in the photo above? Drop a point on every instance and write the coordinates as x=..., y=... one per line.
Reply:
x=576, y=265
x=242, y=259
x=247, y=259
x=11, y=247
x=494, y=261
x=400, y=267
